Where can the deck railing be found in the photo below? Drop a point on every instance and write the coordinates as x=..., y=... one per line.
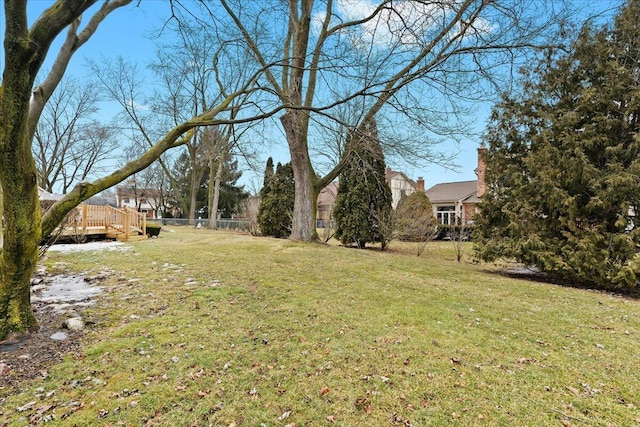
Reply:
x=125, y=220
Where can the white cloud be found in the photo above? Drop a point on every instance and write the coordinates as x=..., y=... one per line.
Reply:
x=407, y=22
x=132, y=103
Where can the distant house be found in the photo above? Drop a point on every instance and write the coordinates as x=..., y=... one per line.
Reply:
x=326, y=200
x=457, y=202
x=401, y=185
x=454, y=202
x=144, y=200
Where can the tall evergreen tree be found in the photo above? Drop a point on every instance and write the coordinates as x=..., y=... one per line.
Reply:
x=183, y=171
x=231, y=194
x=268, y=176
x=276, y=200
x=563, y=170
x=364, y=197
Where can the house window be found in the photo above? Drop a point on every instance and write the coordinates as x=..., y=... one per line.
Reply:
x=446, y=215
x=126, y=200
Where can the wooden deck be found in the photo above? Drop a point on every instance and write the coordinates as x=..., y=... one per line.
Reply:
x=120, y=224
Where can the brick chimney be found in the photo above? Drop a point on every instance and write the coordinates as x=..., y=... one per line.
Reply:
x=481, y=171
x=420, y=184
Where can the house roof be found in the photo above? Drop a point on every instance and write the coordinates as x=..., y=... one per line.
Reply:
x=45, y=195
x=392, y=174
x=102, y=201
x=453, y=192
x=129, y=191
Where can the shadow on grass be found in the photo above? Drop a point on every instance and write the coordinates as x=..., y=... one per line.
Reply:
x=534, y=275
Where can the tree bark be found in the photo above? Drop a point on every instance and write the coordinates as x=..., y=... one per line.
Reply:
x=215, y=175
x=211, y=196
x=304, y=206
x=1, y=220
x=20, y=246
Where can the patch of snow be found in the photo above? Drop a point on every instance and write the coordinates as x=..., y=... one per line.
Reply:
x=91, y=246
x=68, y=289
x=523, y=270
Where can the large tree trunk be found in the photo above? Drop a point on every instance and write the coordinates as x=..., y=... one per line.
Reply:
x=18, y=178
x=193, y=197
x=304, y=206
x=20, y=246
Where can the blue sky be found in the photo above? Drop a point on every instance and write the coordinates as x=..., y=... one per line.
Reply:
x=126, y=33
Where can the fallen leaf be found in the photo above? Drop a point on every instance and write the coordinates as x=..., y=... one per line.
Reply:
x=26, y=406
x=324, y=390
x=284, y=415
x=573, y=390
x=331, y=418
x=360, y=403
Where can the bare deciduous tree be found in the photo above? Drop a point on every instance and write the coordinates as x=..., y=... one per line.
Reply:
x=420, y=60
x=69, y=145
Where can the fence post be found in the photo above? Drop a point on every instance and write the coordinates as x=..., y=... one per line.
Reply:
x=84, y=216
x=126, y=223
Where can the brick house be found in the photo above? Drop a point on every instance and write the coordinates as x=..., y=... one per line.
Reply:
x=457, y=202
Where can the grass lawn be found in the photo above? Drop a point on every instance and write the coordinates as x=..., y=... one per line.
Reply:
x=201, y=328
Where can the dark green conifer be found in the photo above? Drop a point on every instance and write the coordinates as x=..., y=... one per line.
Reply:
x=364, y=197
x=276, y=200
x=563, y=168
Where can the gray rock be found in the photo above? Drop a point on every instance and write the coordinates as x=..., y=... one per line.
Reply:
x=59, y=336
x=74, y=324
